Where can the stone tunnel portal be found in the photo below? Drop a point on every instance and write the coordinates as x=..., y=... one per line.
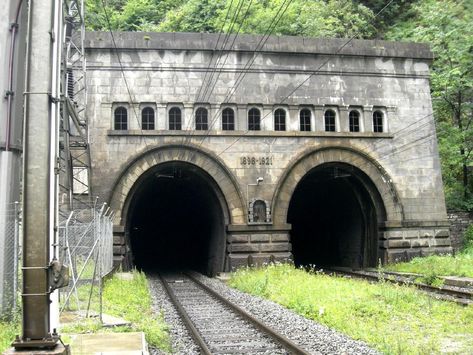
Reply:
x=334, y=218
x=176, y=220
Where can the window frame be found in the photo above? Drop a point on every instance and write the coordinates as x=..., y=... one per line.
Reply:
x=201, y=119
x=254, y=126
x=379, y=121
x=352, y=126
x=150, y=125
x=330, y=126
x=280, y=119
x=228, y=125
x=172, y=125
x=305, y=124
x=121, y=125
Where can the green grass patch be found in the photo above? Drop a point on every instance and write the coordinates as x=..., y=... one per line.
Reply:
x=438, y=265
x=393, y=319
x=128, y=298
x=9, y=329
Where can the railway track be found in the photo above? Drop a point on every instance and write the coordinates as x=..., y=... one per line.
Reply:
x=219, y=326
x=459, y=295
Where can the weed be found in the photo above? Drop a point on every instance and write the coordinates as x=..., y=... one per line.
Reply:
x=392, y=318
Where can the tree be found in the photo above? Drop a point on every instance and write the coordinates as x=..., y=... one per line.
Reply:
x=446, y=25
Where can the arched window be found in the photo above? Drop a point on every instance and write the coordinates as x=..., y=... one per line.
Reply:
x=354, y=121
x=305, y=116
x=228, y=119
x=329, y=121
x=201, y=119
x=121, y=118
x=175, y=120
x=259, y=211
x=377, y=121
x=147, y=118
x=279, y=120
x=254, y=120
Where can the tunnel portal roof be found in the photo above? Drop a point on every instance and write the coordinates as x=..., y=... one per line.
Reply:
x=248, y=43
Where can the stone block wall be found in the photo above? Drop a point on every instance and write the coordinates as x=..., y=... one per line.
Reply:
x=459, y=222
x=167, y=70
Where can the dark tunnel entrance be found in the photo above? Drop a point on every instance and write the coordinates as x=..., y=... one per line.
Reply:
x=176, y=220
x=334, y=219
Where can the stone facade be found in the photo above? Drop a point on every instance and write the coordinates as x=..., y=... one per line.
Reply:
x=459, y=222
x=397, y=163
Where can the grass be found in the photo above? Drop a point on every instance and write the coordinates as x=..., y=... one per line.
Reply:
x=8, y=330
x=393, y=319
x=128, y=298
x=438, y=265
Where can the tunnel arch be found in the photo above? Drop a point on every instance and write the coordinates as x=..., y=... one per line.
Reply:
x=338, y=187
x=144, y=174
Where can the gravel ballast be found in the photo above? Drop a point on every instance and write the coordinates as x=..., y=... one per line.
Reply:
x=312, y=336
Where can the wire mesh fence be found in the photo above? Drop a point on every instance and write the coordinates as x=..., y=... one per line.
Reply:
x=86, y=246
x=9, y=258
x=85, y=242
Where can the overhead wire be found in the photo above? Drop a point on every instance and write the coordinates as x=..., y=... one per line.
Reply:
x=233, y=21
x=248, y=66
x=274, y=22
x=309, y=76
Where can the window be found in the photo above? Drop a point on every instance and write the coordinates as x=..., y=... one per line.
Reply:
x=329, y=121
x=259, y=211
x=279, y=120
x=354, y=121
x=304, y=116
x=228, y=119
x=254, y=120
x=377, y=121
x=175, y=121
x=201, y=119
x=147, y=118
x=121, y=118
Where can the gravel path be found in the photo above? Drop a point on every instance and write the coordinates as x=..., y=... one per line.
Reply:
x=315, y=338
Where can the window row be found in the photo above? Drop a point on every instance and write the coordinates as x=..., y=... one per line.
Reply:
x=254, y=119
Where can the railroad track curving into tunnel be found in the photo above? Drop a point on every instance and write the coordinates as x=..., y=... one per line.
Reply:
x=459, y=295
x=219, y=326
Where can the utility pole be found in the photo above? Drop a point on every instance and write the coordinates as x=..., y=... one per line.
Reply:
x=39, y=177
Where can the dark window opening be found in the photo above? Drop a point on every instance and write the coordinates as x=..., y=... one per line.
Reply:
x=378, y=121
x=121, y=118
x=259, y=211
x=228, y=119
x=305, y=116
x=329, y=121
x=147, y=118
x=354, y=121
x=279, y=120
x=201, y=119
x=175, y=120
x=254, y=120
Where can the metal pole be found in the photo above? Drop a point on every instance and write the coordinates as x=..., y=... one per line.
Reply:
x=15, y=249
x=38, y=179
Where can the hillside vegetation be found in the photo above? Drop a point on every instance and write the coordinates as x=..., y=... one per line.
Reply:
x=445, y=24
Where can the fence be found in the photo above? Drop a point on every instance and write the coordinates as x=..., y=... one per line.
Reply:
x=86, y=246
x=9, y=258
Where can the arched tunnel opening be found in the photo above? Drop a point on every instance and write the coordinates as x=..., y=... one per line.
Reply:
x=176, y=220
x=334, y=219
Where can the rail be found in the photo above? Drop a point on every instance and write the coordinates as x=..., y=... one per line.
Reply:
x=457, y=295
x=275, y=336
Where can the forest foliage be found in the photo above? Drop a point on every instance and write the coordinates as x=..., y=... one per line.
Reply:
x=445, y=24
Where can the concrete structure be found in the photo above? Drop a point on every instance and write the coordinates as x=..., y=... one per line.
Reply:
x=344, y=168
x=12, y=59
